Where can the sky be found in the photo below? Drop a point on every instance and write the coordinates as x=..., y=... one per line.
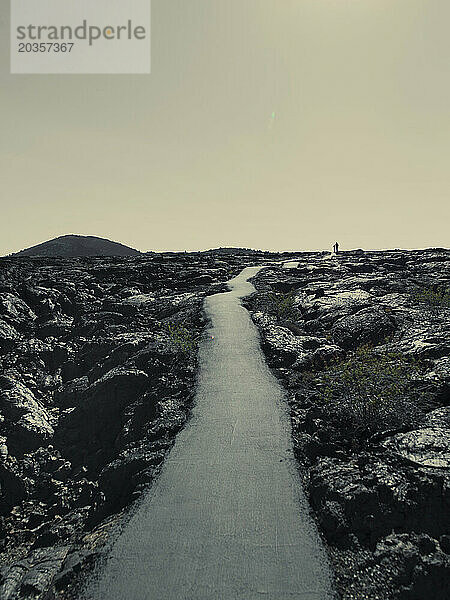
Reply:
x=272, y=124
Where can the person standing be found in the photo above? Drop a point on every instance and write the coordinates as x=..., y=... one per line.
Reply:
x=336, y=248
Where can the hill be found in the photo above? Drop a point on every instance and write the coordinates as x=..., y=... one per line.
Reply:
x=78, y=245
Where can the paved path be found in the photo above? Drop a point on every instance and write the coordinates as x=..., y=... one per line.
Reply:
x=226, y=520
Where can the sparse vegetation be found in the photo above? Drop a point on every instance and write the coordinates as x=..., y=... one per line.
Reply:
x=308, y=376
x=369, y=392
x=182, y=338
x=433, y=300
x=282, y=306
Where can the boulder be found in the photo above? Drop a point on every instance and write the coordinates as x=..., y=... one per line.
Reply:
x=117, y=480
x=115, y=390
x=379, y=494
x=442, y=369
x=51, y=353
x=440, y=417
x=369, y=325
x=14, y=486
x=417, y=566
x=428, y=447
x=8, y=336
x=75, y=563
x=15, y=311
x=282, y=346
x=27, y=423
x=71, y=393
x=32, y=576
x=88, y=432
x=429, y=347
x=335, y=305
x=56, y=327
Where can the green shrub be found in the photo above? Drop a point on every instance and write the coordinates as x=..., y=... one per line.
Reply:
x=370, y=392
x=308, y=376
x=182, y=338
x=432, y=300
x=282, y=306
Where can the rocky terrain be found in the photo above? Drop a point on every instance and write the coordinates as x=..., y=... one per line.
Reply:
x=361, y=342
x=98, y=362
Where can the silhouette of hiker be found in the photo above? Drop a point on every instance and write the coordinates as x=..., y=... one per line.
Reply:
x=336, y=248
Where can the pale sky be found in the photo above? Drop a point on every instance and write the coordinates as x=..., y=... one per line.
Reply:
x=274, y=124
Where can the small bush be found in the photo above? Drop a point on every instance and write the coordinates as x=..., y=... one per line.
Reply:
x=432, y=300
x=182, y=338
x=370, y=392
x=282, y=306
x=308, y=376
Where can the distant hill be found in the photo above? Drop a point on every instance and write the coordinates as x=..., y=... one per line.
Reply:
x=231, y=250
x=78, y=245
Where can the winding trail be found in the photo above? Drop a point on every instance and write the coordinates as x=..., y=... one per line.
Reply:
x=227, y=518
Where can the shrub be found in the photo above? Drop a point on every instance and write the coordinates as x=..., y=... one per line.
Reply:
x=282, y=306
x=433, y=300
x=308, y=377
x=370, y=392
x=182, y=338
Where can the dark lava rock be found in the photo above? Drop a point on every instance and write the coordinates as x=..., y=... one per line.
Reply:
x=428, y=447
x=14, y=486
x=416, y=564
x=30, y=577
x=76, y=562
x=369, y=325
x=54, y=328
x=27, y=422
x=119, y=479
x=114, y=390
x=440, y=417
x=8, y=336
x=93, y=425
x=71, y=393
x=15, y=311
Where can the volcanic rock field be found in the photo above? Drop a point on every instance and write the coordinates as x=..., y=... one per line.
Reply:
x=98, y=372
